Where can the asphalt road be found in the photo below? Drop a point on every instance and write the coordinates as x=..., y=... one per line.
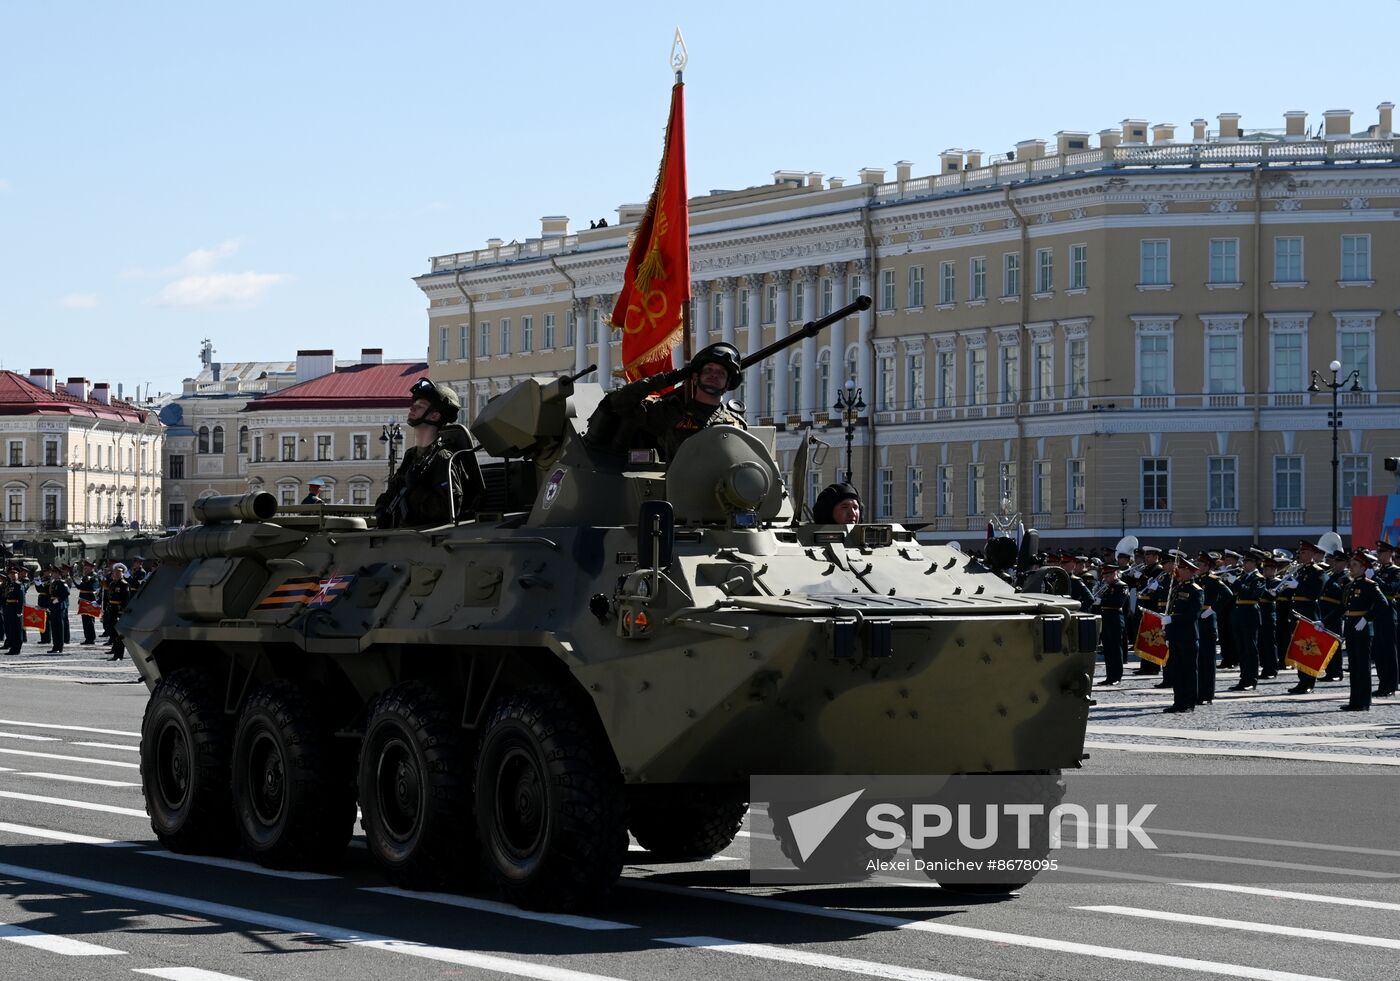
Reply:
x=86, y=891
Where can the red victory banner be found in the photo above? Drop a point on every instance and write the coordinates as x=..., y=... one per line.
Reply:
x=1151, y=643
x=1311, y=648
x=656, y=286
x=88, y=608
x=35, y=618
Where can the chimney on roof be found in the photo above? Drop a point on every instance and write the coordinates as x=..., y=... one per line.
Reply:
x=43, y=378
x=1229, y=127
x=1384, y=130
x=1295, y=125
x=1163, y=132
x=1336, y=124
x=1134, y=130
x=1069, y=141
x=872, y=175
x=554, y=226
x=1198, y=130
x=1109, y=138
x=973, y=160
x=78, y=388
x=102, y=392
x=902, y=170
x=814, y=178
x=1030, y=149
x=495, y=243
x=371, y=355
x=216, y=370
x=188, y=386
x=835, y=182
x=314, y=364
x=951, y=160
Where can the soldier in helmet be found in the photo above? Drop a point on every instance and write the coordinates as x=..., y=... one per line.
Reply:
x=673, y=418
x=435, y=479
x=837, y=504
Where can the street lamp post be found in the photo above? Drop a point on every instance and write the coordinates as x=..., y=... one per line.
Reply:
x=849, y=404
x=393, y=435
x=1122, y=517
x=1334, y=418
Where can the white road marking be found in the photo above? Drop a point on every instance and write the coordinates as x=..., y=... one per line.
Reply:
x=1257, y=735
x=132, y=749
x=849, y=965
x=68, y=836
x=1307, y=897
x=322, y=931
x=1252, y=840
x=1295, y=866
x=975, y=933
x=79, y=805
x=1302, y=933
x=52, y=943
x=240, y=866
x=29, y=737
x=185, y=974
x=71, y=759
x=95, y=781
x=1266, y=754
x=14, y=675
x=503, y=909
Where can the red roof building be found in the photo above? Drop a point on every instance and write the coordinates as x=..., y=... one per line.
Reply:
x=356, y=386
x=40, y=395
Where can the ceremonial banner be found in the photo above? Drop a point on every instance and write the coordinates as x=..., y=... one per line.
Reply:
x=1151, y=643
x=88, y=608
x=35, y=618
x=1375, y=518
x=656, y=286
x=1311, y=648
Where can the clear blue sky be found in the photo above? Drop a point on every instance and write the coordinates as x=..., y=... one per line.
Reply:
x=272, y=175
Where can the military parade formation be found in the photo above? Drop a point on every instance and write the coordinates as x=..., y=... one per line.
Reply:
x=42, y=600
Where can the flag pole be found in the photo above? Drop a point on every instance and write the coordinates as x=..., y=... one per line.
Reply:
x=679, y=56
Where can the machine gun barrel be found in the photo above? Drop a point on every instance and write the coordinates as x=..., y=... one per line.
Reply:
x=809, y=329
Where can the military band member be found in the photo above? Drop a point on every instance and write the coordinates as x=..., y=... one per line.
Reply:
x=1332, y=606
x=1224, y=614
x=1268, y=617
x=41, y=600
x=1364, y=603
x=1112, y=608
x=57, y=610
x=13, y=594
x=115, y=597
x=88, y=586
x=1309, y=580
x=1249, y=592
x=1151, y=595
x=1182, y=623
x=1216, y=594
x=1078, y=588
x=1384, y=649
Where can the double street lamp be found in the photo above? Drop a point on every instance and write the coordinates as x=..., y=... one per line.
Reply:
x=393, y=435
x=849, y=404
x=1334, y=418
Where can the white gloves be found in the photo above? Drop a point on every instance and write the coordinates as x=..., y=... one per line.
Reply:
x=1289, y=583
x=1166, y=619
x=1361, y=623
x=1152, y=584
x=1370, y=573
x=1207, y=613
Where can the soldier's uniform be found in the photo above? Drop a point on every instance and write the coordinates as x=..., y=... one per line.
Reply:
x=1216, y=594
x=115, y=597
x=417, y=493
x=1331, y=607
x=1307, y=602
x=1152, y=594
x=1268, y=630
x=58, y=593
x=13, y=594
x=88, y=586
x=1383, y=645
x=1183, y=639
x=1079, y=590
x=41, y=600
x=1225, y=617
x=1249, y=594
x=1364, y=603
x=1112, y=608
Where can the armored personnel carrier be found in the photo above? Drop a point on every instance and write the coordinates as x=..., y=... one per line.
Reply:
x=610, y=644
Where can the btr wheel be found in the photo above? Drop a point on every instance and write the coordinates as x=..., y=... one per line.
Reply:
x=686, y=825
x=293, y=803
x=549, y=803
x=414, y=791
x=185, y=765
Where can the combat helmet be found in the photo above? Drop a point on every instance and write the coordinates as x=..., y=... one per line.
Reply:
x=440, y=396
x=724, y=354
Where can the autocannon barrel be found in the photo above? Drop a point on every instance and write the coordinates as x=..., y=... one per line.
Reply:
x=258, y=506
x=809, y=329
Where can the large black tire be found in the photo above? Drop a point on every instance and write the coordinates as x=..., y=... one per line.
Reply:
x=843, y=856
x=415, y=791
x=686, y=826
x=549, y=802
x=293, y=799
x=185, y=754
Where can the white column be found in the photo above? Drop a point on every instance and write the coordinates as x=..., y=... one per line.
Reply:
x=701, y=291
x=753, y=377
x=864, y=375
x=782, y=403
x=807, y=399
x=605, y=337
x=837, y=334
x=726, y=308
x=580, y=333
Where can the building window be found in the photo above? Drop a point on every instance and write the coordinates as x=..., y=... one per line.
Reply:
x=177, y=515
x=1154, y=358
x=1354, y=351
x=914, y=492
x=570, y=329
x=1077, y=357
x=886, y=289
x=1043, y=375
x=323, y=446
x=1221, y=486
x=884, y=492
x=1156, y=485
x=1040, y=487
x=1288, y=362
x=1009, y=372
x=1006, y=485
x=1288, y=483
x=289, y=450
x=827, y=296
x=884, y=383
x=527, y=334
x=1078, y=267
x=742, y=315
x=359, y=446
x=914, y=382
x=766, y=405
x=977, y=376
x=201, y=445
x=483, y=339
x=946, y=392
x=359, y=493
x=943, y=492
x=770, y=303
x=795, y=311
x=218, y=442
x=1288, y=259
x=177, y=467
x=257, y=449
x=947, y=282
x=976, y=489
x=442, y=343
x=464, y=341
x=505, y=335
x=916, y=286
x=1155, y=264
x=1222, y=363
x=977, y=278
x=1074, y=486
x=287, y=493
x=1356, y=258
x=549, y=332
x=794, y=383
x=14, y=505
x=1224, y=260
x=853, y=289
x=1011, y=274
x=1044, y=270
x=1356, y=478
x=243, y=440
x=50, y=452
